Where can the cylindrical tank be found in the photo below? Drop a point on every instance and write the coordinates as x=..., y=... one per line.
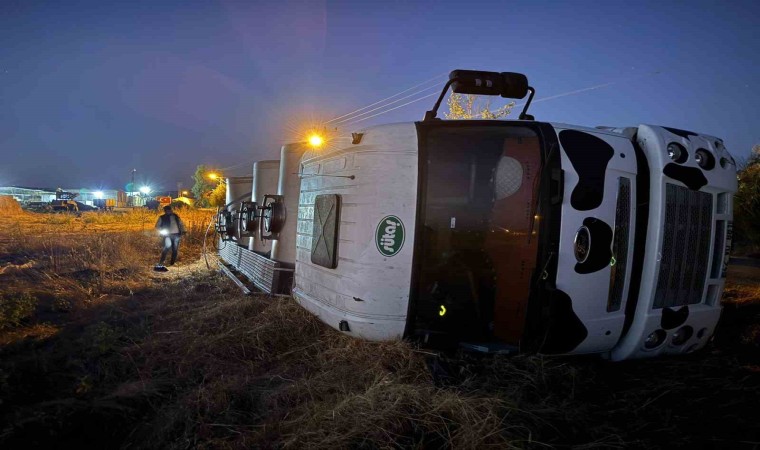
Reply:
x=265, y=175
x=289, y=186
x=253, y=199
x=237, y=191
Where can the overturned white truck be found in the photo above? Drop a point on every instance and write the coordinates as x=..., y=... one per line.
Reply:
x=496, y=235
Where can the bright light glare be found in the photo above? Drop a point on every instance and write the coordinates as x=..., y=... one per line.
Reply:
x=316, y=140
x=98, y=194
x=164, y=232
x=145, y=190
x=213, y=176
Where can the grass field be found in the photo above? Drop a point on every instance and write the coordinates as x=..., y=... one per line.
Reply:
x=98, y=351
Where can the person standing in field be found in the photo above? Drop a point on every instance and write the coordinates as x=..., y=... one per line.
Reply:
x=171, y=229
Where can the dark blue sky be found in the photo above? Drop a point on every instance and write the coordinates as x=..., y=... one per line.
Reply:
x=89, y=90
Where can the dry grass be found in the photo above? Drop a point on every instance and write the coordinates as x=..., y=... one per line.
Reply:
x=262, y=372
x=138, y=219
x=9, y=205
x=741, y=294
x=119, y=356
x=744, y=286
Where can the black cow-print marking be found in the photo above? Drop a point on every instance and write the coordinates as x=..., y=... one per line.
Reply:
x=682, y=133
x=589, y=156
x=600, y=252
x=565, y=330
x=674, y=318
x=692, y=177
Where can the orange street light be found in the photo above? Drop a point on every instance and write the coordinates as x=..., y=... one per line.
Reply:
x=316, y=140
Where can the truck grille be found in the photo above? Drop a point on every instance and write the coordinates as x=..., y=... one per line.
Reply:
x=620, y=244
x=685, y=247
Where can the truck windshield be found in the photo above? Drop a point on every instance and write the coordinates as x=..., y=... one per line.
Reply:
x=478, y=244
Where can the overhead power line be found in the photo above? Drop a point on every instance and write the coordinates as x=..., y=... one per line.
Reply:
x=389, y=110
x=239, y=164
x=358, y=117
x=388, y=98
x=388, y=104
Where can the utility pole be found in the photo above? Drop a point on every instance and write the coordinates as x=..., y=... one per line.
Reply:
x=132, y=196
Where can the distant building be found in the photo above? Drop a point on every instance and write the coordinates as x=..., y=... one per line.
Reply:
x=26, y=195
x=88, y=196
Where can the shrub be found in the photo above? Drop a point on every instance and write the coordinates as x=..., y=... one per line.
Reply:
x=61, y=305
x=101, y=338
x=15, y=309
x=747, y=203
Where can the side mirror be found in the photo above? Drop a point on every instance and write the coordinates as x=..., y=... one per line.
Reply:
x=515, y=85
x=476, y=82
x=505, y=84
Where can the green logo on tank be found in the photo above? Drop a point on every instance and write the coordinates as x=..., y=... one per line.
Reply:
x=389, y=236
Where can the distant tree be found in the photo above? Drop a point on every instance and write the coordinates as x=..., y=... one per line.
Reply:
x=152, y=204
x=202, y=186
x=466, y=107
x=747, y=201
x=218, y=197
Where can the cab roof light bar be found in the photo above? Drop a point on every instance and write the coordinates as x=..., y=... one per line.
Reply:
x=505, y=84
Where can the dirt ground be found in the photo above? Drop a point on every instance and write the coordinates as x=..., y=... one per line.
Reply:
x=99, y=351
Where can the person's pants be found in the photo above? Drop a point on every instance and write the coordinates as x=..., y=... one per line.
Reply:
x=171, y=242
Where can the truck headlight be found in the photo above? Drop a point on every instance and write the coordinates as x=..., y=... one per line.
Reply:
x=704, y=159
x=655, y=339
x=677, y=152
x=682, y=335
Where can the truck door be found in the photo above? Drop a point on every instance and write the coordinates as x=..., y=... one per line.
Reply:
x=477, y=243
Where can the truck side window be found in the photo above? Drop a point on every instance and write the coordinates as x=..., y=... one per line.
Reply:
x=324, y=249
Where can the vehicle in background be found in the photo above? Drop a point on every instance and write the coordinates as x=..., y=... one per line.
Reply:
x=64, y=202
x=38, y=206
x=85, y=207
x=105, y=204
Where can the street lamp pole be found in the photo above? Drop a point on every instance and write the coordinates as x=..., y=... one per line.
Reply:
x=132, y=189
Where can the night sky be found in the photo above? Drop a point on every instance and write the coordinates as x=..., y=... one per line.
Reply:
x=90, y=90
